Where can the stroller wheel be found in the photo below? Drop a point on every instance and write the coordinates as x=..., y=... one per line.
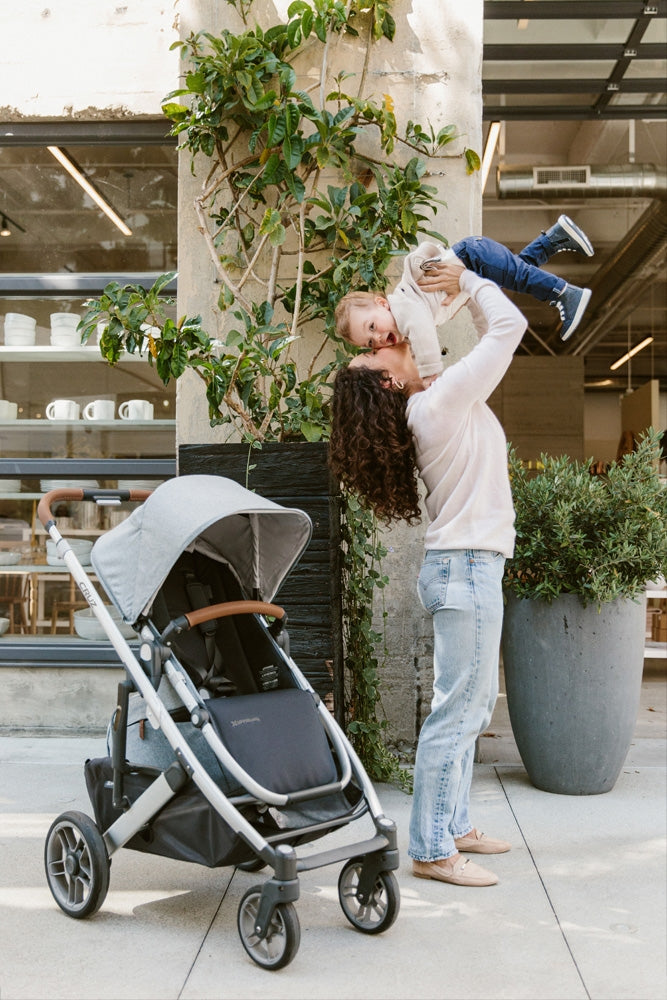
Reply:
x=77, y=864
x=281, y=943
x=380, y=910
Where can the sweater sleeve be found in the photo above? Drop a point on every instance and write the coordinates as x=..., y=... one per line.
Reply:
x=476, y=375
x=418, y=313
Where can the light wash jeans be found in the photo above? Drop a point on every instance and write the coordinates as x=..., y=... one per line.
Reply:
x=462, y=590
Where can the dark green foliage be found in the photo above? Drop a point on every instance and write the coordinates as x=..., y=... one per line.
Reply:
x=600, y=537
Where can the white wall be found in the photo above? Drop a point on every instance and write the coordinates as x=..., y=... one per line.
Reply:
x=87, y=60
x=602, y=424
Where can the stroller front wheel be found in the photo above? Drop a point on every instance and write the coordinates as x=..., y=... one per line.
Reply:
x=77, y=864
x=283, y=937
x=380, y=910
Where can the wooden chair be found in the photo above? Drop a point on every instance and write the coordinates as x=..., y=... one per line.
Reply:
x=14, y=597
x=68, y=606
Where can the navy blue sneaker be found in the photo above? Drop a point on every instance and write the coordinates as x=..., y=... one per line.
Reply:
x=565, y=235
x=571, y=304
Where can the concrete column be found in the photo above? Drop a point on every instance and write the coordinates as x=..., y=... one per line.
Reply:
x=432, y=71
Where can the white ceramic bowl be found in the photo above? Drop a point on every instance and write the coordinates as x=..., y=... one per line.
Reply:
x=66, y=321
x=10, y=485
x=19, y=338
x=87, y=626
x=46, y=485
x=80, y=546
x=8, y=558
x=138, y=484
x=4, y=625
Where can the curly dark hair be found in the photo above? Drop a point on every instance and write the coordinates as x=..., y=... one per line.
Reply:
x=371, y=450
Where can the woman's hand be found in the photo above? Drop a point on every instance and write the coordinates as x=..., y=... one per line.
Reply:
x=443, y=278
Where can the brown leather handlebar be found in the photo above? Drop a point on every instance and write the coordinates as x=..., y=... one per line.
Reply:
x=202, y=615
x=76, y=493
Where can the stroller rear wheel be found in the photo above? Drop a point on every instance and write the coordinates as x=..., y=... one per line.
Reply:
x=77, y=864
x=380, y=910
x=283, y=937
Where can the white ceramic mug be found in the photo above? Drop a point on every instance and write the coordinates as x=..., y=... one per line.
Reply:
x=8, y=410
x=63, y=409
x=99, y=409
x=136, y=409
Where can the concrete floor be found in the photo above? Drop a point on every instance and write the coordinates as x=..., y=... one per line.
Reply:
x=579, y=912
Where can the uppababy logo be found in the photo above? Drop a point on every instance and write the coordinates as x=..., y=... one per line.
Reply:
x=244, y=722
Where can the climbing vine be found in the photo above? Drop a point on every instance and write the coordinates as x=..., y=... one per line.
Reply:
x=306, y=194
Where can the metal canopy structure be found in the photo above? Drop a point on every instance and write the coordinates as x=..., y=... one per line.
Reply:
x=624, y=55
x=579, y=89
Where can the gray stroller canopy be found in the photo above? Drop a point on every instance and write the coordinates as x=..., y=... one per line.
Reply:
x=259, y=539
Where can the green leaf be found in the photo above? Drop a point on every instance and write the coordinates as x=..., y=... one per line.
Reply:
x=473, y=161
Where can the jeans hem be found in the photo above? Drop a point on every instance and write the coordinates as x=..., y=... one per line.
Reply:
x=430, y=861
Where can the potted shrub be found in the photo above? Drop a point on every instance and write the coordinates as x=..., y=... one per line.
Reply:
x=575, y=618
x=297, y=206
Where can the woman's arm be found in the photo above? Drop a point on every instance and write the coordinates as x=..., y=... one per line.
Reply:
x=476, y=375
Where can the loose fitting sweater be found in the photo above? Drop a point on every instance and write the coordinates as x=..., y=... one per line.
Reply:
x=460, y=445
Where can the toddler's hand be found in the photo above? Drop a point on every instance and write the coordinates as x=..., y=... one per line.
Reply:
x=443, y=278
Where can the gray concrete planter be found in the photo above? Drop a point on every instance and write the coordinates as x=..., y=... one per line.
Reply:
x=573, y=680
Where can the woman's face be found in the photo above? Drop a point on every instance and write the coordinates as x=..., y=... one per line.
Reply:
x=397, y=361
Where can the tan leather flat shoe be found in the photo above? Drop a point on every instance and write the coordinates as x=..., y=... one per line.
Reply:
x=461, y=871
x=478, y=843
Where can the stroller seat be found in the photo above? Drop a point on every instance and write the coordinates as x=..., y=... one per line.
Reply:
x=226, y=656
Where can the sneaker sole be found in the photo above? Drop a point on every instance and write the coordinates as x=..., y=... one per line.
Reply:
x=581, y=309
x=576, y=234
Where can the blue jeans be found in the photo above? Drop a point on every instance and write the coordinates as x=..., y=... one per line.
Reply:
x=462, y=590
x=516, y=272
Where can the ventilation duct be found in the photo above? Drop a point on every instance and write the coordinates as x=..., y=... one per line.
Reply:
x=629, y=180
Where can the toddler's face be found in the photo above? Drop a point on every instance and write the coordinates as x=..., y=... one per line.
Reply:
x=373, y=326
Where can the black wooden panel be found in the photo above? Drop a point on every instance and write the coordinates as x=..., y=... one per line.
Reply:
x=294, y=475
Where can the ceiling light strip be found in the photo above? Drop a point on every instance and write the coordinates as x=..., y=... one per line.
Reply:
x=489, y=150
x=631, y=354
x=64, y=160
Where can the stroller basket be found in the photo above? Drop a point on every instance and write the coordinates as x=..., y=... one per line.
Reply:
x=220, y=752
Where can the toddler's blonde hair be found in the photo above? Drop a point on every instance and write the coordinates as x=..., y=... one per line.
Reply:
x=353, y=300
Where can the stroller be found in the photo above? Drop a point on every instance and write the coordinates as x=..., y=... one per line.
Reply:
x=219, y=750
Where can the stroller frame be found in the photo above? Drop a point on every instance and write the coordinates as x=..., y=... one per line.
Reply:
x=78, y=853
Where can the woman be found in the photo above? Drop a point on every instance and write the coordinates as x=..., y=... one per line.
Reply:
x=390, y=426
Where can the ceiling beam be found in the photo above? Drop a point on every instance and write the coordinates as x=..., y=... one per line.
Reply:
x=573, y=112
x=580, y=85
x=589, y=10
x=131, y=132
x=570, y=52
x=622, y=66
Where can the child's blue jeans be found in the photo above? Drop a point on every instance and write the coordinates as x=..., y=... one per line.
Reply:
x=516, y=272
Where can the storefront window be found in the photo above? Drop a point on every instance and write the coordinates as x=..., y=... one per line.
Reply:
x=73, y=217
